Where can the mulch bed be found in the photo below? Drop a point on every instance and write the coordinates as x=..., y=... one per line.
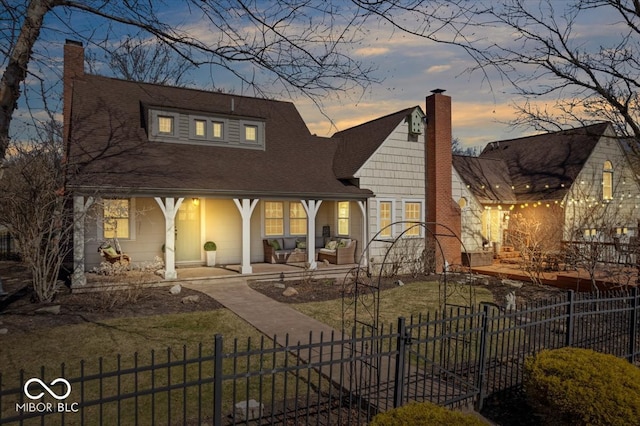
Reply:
x=18, y=311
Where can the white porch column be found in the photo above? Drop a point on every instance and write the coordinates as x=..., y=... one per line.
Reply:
x=80, y=207
x=311, y=207
x=246, y=207
x=364, y=209
x=169, y=208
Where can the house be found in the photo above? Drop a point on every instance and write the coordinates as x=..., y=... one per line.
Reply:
x=165, y=169
x=580, y=181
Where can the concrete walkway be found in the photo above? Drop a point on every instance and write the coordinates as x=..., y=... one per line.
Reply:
x=270, y=317
x=273, y=318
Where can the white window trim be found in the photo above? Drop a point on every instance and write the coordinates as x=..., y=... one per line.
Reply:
x=260, y=136
x=421, y=218
x=338, y=218
x=100, y=219
x=288, y=219
x=285, y=206
x=225, y=128
x=378, y=216
x=155, y=132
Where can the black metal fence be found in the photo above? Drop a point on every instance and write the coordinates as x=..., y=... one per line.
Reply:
x=459, y=357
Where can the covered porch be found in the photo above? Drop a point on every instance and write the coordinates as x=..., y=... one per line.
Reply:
x=260, y=271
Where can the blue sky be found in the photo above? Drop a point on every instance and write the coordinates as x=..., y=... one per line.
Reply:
x=409, y=68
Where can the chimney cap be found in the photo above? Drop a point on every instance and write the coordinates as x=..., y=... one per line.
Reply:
x=73, y=42
x=438, y=91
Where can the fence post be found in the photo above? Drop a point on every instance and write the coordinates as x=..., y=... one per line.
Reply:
x=482, y=355
x=633, y=322
x=568, y=341
x=217, y=381
x=398, y=383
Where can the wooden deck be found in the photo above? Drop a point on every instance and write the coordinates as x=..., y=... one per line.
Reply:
x=607, y=276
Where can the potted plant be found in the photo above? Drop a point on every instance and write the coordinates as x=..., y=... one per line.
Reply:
x=210, y=249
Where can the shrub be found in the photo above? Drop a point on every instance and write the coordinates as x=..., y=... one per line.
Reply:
x=210, y=246
x=424, y=413
x=582, y=387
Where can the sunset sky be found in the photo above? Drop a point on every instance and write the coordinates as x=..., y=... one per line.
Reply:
x=408, y=68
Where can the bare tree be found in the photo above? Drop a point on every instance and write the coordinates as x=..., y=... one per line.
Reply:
x=300, y=45
x=32, y=206
x=579, y=57
x=149, y=61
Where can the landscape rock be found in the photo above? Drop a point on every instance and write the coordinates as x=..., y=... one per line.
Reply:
x=194, y=298
x=512, y=283
x=279, y=285
x=53, y=310
x=248, y=410
x=176, y=289
x=399, y=283
x=289, y=292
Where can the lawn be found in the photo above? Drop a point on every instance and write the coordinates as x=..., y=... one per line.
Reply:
x=411, y=299
x=116, y=348
x=125, y=350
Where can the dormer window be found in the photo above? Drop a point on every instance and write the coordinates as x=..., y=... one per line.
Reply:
x=185, y=127
x=217, y=129
x=250, y=133
x=165, y=125
x=200, y=128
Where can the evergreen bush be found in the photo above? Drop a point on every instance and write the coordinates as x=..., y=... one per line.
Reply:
x=424, y=413
x=572, y=386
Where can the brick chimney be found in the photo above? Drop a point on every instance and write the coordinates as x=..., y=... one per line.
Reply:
x=73, y=69
x=441, y=209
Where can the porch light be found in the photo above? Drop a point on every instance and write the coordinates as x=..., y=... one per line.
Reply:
x=195, y=201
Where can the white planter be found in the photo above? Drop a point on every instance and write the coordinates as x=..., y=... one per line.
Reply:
x=211, y=258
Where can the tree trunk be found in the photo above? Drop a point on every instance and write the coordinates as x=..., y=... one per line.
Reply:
x=16, y=70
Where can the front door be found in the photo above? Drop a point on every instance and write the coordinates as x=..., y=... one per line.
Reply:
x=188, y=244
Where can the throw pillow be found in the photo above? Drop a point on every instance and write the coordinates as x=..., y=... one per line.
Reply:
x=301, y=245
x=110, y=251
x=331, y=245
x=344, y=242
x=275, y=244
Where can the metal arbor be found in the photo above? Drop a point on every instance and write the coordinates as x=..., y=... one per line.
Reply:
x=404, y=254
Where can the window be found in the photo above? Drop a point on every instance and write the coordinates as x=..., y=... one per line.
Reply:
x=343, y=218
x=165, y=125
x=200, y=128
x=273, y=218
x=116, y=218
x=607, y=181
x=297, y=219
x=412, y=213
x=250, y=133
x=217, y=128
x=385, y=214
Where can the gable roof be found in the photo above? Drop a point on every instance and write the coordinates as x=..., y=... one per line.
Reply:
x=543, y=167
x=487, y=178
x=357, y=144
x=111, y=150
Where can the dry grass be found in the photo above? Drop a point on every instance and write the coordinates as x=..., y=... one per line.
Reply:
x=116, y=345
x=411, y=299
